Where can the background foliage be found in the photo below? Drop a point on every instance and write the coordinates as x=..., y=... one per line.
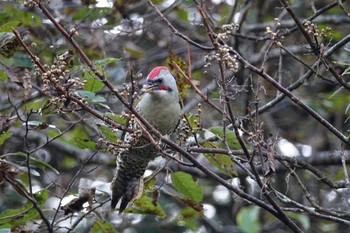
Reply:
x=263, y=144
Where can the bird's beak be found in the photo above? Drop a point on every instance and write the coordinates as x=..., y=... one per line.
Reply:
x=149, y=87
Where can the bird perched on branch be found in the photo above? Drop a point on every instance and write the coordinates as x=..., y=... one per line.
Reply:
x=159, y=105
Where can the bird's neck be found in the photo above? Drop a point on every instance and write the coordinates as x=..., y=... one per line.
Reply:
x=161, y=111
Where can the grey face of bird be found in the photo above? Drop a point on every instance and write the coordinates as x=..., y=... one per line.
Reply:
x=161, y=83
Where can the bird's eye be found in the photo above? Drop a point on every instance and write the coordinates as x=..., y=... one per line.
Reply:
x=160, y=80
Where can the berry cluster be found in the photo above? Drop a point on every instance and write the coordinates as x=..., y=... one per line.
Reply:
x=313, y=30
x=223, y=52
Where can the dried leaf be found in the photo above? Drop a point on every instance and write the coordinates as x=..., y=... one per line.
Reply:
x=271, y=169
x=155, y=195
x=21, y=76
x=191, y=203
x=4, y=124
x=7, y=170
x=67, y=57
x=76, y=204
x=8, y=44
x=8, y=173
x=27, y=84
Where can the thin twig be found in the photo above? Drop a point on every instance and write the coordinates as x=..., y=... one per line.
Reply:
x=310, y=210
x=292, y=97
x=294, y=162
x=195, y=88
x=71, y=96
x=280, y=214
x=73, y=180
x=31, y=199
x=316, y=49
x=176, y=32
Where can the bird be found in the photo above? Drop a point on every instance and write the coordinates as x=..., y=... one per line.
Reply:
x=160, y=106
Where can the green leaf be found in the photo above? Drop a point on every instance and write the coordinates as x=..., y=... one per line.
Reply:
x=3, y=76
x=91, y=97
x=108, y=133
x=221, y=161
x=22, y=59
x=302, y=218
x=92, y=83
x=106, y=61
x=187, y=186
x=135, y=53
x=157, y=2
x=5, y=135
x=78, y=137
x=69, y=162
x=41, y=196
x=21, y=216
x=102, y=227
x=7, y=27
x=31, y=215
x=85, y=143
x=346, y=71
x=147, y=206
x=248, y=219
x=27, y=18
x=117, y=118
x=229, y=136
x=194, y=121
x=36, y=104
x=182, y=13
x=150, y=183
x=36, y=162
x=93, y=13
x=188, y=216
x=14, y=217
x=42, y=165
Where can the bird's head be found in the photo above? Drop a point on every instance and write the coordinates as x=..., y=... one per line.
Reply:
x=160, y=82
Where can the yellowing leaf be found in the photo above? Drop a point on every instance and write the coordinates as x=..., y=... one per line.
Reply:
x=175, y=61
x=147, y=206
x=4, y=136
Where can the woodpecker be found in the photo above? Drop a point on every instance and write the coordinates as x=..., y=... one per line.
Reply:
x=160, y=106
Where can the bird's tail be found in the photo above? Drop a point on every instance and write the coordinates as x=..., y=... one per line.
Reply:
x=126, y=189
